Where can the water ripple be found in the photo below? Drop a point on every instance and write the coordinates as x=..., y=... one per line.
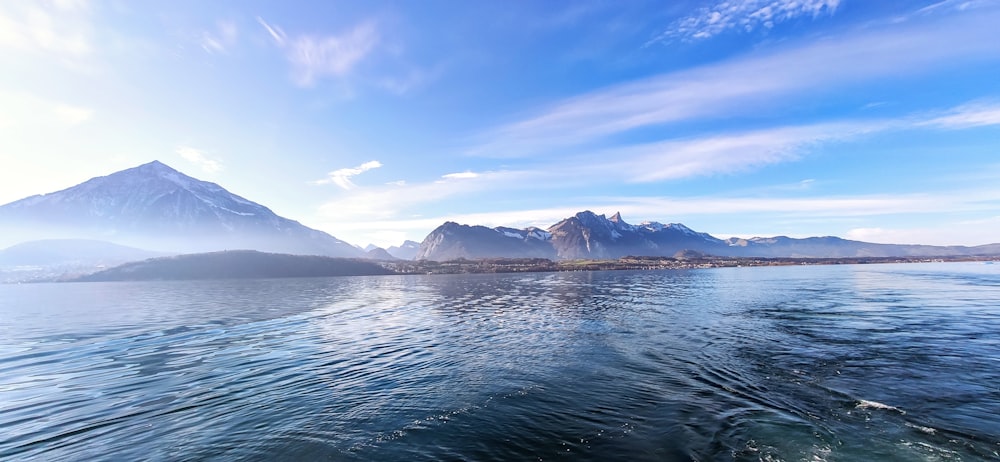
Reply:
x=880, y=362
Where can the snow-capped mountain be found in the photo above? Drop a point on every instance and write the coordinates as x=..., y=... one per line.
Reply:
x=587, y=235
x=154, y=206
x=452, y=241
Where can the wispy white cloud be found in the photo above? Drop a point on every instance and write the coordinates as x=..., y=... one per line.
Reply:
x=968, y=116
x=314, y=57
x=342, y=177
x=809, y=207
x=58, y=28
x=197, y=157
x=726, y=153
x=951, y=5
x=275, y=32
x=337, y=56
x=460, y=175
x=331, y=56
x=747, y=85
x=743, y=15
x=221, y=39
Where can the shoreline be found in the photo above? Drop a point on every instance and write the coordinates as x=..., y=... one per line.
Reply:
x=292, y=266
x=538, y=265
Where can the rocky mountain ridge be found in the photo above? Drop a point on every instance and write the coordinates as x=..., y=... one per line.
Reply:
x=587, y=235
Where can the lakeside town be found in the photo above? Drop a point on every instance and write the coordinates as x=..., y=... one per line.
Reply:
x=518, y=265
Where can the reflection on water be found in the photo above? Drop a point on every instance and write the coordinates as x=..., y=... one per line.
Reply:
x=878, y=362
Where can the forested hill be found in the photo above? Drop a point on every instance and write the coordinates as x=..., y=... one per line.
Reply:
x=236, y=264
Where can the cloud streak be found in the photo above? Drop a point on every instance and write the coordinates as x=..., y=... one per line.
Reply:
x=275, y=32
x=342, y=177
x=729, y=153
x=745, y=16
x=968, y=116
x=745, y=86
x=460, y=175
x=221, y=39
x=198, y=158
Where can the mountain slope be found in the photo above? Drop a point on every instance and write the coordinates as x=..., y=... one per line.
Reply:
x=155, y=206
x=453, y=241
x=70, y=252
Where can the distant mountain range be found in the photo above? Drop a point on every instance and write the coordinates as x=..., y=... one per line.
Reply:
x=590, y=236
x=156, y=207
x=153, y=206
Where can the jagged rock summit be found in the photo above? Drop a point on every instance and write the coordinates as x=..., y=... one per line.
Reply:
x=154, y=206
x=588, y=235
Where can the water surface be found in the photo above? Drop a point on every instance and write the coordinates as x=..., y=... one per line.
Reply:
x=867, y=362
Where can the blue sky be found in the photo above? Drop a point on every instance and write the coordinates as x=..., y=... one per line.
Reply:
x=378, y=121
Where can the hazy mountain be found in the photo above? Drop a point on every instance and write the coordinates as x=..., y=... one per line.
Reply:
x=378, y=253
x=452, y=241
x=236, y=264
x=155, y=206
x=51, y=252
x=590, y=236
x=407, y=251
x=835, y=247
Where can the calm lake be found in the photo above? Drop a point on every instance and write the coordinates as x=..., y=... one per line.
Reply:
x=815, y=363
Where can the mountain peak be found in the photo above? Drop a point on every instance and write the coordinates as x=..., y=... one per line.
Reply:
x=152, y=167
x=617, y=217
x=154, y=206
x=157, y=164
x=587, y=215
x=157, y=169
